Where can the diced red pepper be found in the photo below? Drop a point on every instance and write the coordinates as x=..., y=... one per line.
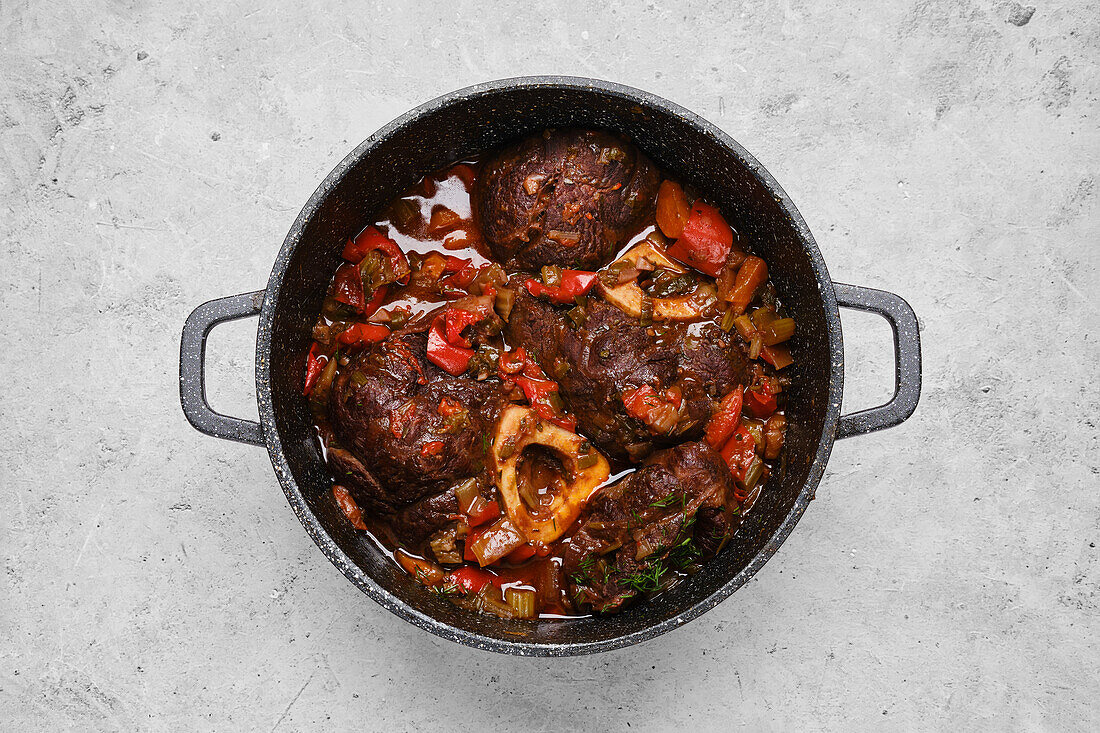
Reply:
x=371, y=239
x=347, y=287
x=471, y=580
x=376, y=301
x=574, y=283
x=657, y=410
x=455, y=264
x=513, y=362
x=739, y=452
x=482, y=511
x=314, y=367
x=455, y=320
x=760, y=404
x=726, y=419
x=521, y=554
x=537, y=391
x=431, y=448
x=461, y=279
x=705, y=241
x=445, y=355
x=359, y=334
x=449, y=406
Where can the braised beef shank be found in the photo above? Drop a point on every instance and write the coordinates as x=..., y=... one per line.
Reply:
x=674, y=511
x=570, y=198
x=613, y=353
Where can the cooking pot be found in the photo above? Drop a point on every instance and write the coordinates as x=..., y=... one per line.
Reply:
x=461, y=124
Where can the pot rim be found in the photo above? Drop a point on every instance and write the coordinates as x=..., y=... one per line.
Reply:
x=399, y=607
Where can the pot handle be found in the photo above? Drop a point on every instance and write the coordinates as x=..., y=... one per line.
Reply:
x=907, y=365
x=193, y=368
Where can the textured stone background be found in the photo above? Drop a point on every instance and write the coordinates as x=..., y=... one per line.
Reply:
x=153, y=155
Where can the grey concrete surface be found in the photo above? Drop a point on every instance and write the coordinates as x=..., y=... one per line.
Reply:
x=152, y=156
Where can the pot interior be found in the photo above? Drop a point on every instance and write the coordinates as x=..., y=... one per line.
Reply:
x=466, y=123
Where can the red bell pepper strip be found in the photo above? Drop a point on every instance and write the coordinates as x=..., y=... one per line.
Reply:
x=431, y=448
x=537, y=391
x=760, y=404
x=376, y=301
x=513, y=362
x=348, y=287
x=739, y=452
x=314, y=367
x=461, y=279
x=363, y=333
x=471, y=580
x=445, y=355
x=482, y=511
x=520, y=554
x=455, y=320
x=455, y=264
x=705, y=241
x=371, y=239
x=725, y=420
x=574, y=283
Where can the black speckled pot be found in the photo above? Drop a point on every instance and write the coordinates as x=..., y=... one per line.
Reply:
x=468, y=121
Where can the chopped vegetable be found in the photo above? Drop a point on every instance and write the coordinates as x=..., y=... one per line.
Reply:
x=740, y=451
x=522, y=553
x=659, y=411
x=449, y=406
x=477, y=508
x=541, y=394
x=442, y=221
x=572, y=285
x=470, y=580
x=705, y=240
x=371, y=240
x=522, y=601
x=431, y=448
x=425, y=571
x=752, y=274
x=495, y=542
x=360, y=334
x=725, y=421
x=455, y=321
x=444, y=547
x=505, y=298
x=448, y=357
x=348, y=506
x=778, y=356
x=774, y=433
x=314, y=367
x=347, y=287
x=673, y=209
x=760, y=403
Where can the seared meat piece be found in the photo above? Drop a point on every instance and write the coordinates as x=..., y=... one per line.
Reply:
x=613, y=354
x=569, y=197
x=405, y=428
x=675, y=510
